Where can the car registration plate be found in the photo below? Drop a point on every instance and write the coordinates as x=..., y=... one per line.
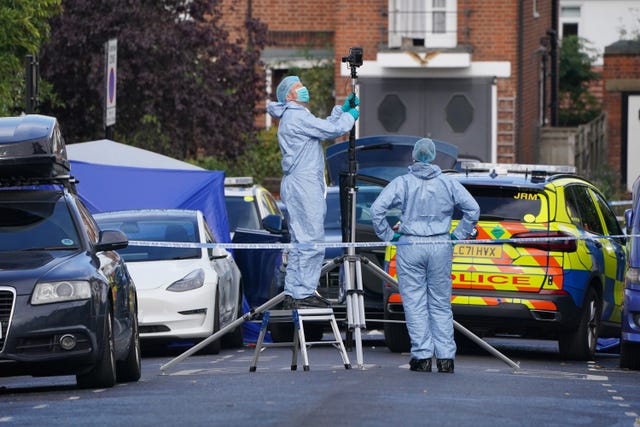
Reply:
x=477, y=251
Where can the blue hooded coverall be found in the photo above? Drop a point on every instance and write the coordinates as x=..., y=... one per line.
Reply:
x=426, y=198
x=303, y=187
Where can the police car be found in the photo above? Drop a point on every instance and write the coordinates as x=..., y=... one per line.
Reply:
x=256, y=219
x=248, y=204
x=549, y=260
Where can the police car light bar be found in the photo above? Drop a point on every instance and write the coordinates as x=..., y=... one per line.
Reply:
x=504, y=168
x=238, y=181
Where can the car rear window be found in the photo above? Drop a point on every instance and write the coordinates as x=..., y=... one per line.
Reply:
x=506, y=203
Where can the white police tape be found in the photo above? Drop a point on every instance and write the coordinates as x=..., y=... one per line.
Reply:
x=318, y=245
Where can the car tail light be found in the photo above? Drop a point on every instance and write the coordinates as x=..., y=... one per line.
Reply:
x=555, y=241
x=390, y=268
x=395, y=298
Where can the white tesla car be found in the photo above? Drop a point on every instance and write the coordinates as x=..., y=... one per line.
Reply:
x=184, y=293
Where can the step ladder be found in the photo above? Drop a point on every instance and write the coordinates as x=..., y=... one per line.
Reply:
x=297, y=318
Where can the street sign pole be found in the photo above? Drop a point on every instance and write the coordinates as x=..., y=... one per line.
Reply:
x=111, y=60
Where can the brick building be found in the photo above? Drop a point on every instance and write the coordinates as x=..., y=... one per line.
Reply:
x=621, y=76
x=475, y=73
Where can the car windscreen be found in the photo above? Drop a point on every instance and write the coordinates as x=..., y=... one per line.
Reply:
x=31, y=222
x=499, y=203
x=155, y=229
x=242, y=212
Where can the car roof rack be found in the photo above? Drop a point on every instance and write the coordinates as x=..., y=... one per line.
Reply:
x=538, y=172
x=18, y=182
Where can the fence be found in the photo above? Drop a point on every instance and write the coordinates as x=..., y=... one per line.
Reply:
x=584, y=147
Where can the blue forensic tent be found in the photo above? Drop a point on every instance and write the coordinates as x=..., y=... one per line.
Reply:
x=114, y=176
x=111, y=188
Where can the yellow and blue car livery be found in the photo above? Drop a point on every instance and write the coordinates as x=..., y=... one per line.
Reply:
x=548, y=261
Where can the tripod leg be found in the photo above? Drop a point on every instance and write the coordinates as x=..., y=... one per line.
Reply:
x=349, y=298
x=359, y=313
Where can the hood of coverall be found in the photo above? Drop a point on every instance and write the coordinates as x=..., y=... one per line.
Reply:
x=277, y=109
x=425, y=170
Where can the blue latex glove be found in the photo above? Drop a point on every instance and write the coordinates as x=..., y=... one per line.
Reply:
x=396, y=236
x=347, y=103
x=355, y=113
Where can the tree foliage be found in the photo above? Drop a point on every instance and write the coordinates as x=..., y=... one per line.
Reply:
x=24, y=26
x=319, y=80
x=183, y=87
x=578, y=105
x=260, y=161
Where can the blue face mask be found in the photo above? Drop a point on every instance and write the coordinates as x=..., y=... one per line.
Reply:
x=303, y=94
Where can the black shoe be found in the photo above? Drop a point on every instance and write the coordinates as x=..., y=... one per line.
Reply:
x=445, y=365
x=288, y=303
x=313, y=300
x=420, y=365
x=323, y=299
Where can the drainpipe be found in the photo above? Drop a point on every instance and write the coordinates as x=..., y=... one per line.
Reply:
x=520, y=85
x=553, y=44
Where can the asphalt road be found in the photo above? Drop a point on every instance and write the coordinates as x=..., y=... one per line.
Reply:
x=219, y=390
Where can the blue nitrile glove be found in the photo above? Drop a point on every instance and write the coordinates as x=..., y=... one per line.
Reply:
x=347, y=103
x=396, y=237
x=355, y=113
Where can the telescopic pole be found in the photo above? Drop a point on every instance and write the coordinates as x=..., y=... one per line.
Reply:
x=352, y=266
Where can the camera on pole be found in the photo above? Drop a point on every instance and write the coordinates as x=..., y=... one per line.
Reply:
x=351, y=263
x=354, y=59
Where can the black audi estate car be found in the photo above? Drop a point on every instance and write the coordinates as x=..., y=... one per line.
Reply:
x=67, y=302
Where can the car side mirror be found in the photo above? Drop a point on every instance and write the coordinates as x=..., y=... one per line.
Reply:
x=111, y=240
x=628, y=219
x=276, y=224
x=273, y=223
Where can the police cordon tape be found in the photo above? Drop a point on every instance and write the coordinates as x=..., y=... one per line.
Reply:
x=368, y=244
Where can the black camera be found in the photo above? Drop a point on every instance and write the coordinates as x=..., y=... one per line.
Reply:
x=355, y=57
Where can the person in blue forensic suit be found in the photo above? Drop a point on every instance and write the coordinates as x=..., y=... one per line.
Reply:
x=303, y=185
x=427, y=199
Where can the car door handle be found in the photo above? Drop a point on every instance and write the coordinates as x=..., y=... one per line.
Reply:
x=598, y=244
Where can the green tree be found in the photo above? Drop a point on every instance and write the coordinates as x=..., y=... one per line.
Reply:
x=261, y=160
x=577, y=103
x=183, y=87
x=24, y=26
x=319, y=80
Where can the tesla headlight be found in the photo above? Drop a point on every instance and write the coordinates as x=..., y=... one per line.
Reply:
x=71, y=290
x=193, y=280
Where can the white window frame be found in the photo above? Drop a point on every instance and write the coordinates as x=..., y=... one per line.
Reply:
x=400, y=24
